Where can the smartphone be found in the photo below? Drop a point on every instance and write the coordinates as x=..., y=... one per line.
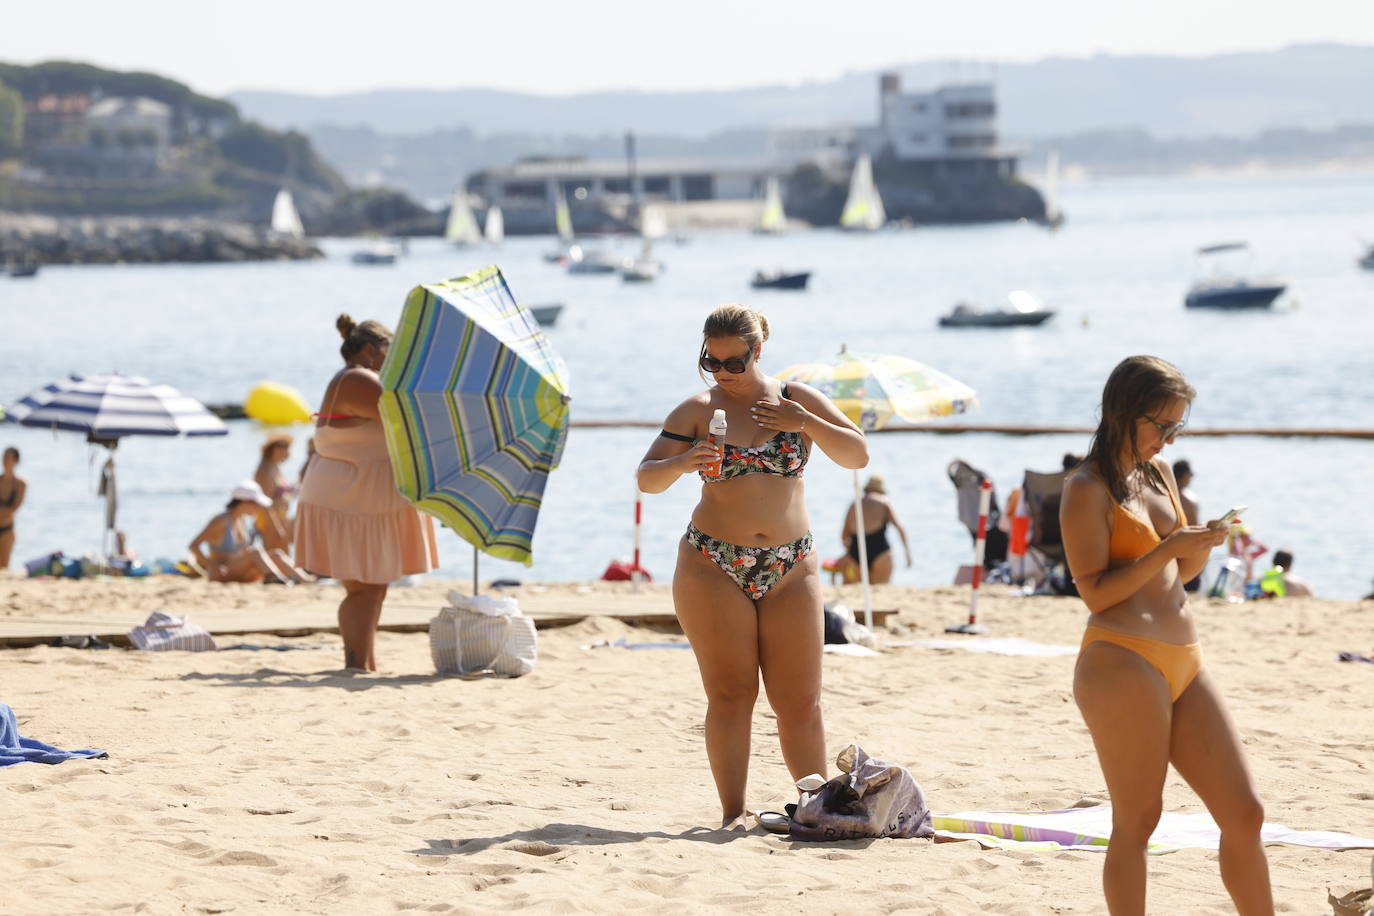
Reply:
x=1230, y=516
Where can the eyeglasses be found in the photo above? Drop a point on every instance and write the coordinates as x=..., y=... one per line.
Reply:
x=734, y=365
x=1167, y=431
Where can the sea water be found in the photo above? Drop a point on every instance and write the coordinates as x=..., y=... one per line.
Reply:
x=1116, y=272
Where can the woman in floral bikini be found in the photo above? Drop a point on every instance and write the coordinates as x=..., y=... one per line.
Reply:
x=746, y=588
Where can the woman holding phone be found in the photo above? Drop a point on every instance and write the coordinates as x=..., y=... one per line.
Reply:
x=1139, y=680
x=747, y=587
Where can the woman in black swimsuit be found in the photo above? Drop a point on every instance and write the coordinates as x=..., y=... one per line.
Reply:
x=878, y=514
x=12, y=489
x=746, y=588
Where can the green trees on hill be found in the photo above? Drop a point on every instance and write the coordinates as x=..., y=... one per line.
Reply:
x=288, y=155
x=11, y=122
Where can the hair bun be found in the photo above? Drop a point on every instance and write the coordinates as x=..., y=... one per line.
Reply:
x=763, y=324
x=346, y=326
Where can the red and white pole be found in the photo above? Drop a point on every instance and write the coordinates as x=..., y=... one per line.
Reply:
x=637, y=571
x=979, y=546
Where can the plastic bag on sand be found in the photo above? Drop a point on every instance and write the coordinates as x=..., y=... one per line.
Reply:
x=870, y=798
x=480, y=634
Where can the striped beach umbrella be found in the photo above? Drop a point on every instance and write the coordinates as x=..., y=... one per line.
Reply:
x=871, y=389
x=109, y=407
x=475, y=408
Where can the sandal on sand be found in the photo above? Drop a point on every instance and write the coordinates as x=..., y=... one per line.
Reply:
x=1356, y=903
x=774, y=821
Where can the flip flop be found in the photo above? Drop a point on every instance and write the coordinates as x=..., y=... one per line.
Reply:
x=774, y=821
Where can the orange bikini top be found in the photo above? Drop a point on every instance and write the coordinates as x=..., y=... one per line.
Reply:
x=1133, y=536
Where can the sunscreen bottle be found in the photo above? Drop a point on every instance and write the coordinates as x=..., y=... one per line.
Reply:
x=716, y=436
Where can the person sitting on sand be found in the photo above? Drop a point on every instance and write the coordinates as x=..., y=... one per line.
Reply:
x=878, y=514
x=747, y=585
x=1279, y=582
x=1139, y=681
x=224, y=549
x=12, y=491
x=274, y=521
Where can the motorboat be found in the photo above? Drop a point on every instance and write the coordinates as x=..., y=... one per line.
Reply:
x=377, y=253
x=1025, y=310
x=27, y=267
x=581, y=261
x=546, y=315
x=780, y=280
x=1367, y=262
x=1228, y=289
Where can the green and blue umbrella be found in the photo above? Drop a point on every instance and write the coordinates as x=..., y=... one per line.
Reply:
x=475, y=408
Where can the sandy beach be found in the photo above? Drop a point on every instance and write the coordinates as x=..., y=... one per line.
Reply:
x=268, y=782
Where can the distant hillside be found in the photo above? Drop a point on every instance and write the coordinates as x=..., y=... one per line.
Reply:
x=1305, y=86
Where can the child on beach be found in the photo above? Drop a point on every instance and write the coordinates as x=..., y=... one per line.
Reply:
x=1139, y=681
x=747, y=586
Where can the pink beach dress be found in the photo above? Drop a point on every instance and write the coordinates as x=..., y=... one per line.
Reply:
x=351, y=523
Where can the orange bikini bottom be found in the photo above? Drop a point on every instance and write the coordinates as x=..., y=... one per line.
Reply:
x=1178, y=664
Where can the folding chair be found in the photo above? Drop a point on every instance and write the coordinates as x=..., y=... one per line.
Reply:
x=967, y=480
x=1042, y=493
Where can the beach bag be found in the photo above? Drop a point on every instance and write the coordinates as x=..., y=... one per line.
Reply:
x=481, y=634
x=162, y=632
x=870, y=798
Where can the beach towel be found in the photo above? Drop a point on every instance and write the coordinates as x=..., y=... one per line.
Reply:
x=870, y=798
x=162, y=632
x=482, y=634
x=1004, y=645
x=15, y=749
x=1091, y=828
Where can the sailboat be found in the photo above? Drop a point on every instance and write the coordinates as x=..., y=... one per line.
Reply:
x=644, y=267
x=285, y=220
x=495, y=229
x=1054, y=217
x=462, y=226
x=772, y=219
x=863, y=208
x=562, y=224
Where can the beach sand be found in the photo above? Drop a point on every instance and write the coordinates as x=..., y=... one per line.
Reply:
x=268, y=782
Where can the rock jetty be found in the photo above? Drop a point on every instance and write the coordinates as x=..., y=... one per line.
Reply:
x=140, y=240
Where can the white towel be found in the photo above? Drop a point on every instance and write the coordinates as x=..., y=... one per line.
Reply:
x=162, y=632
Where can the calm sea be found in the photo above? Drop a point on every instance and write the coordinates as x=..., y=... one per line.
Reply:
x=1116, y=272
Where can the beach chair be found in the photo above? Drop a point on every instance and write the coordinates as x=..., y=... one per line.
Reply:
x=967, y=479
x=1042, y=493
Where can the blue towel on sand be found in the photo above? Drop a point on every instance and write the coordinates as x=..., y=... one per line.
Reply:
x=14, y=749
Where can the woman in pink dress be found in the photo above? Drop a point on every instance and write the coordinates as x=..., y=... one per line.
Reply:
x=351, y=523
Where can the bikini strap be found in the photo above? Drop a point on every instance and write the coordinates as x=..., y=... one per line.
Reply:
x=675, y=437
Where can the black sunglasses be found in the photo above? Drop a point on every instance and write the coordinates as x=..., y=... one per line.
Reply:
x=1167, y=431
x=734, y=365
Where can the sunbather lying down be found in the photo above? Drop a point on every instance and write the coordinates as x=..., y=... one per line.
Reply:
x=225, y=550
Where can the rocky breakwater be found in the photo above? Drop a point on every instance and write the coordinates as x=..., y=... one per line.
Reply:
x=139, y=240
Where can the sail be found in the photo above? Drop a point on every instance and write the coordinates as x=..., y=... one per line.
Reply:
x=462, y=226
x=562, y=217
x=653, y=222
x=772, y=218
x=863, y=208
x=495, y=229
x=285, y=219
x=1052, y=214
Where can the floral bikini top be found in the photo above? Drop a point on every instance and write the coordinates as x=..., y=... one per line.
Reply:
x=784, y=455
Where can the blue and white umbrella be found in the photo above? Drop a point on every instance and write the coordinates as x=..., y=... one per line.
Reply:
x=108, y=407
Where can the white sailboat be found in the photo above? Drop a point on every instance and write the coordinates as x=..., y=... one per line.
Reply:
x=462, y=225
x=495, y=229
x=1054, y=217
x=562, y=224
x=285, y=219
x=863, y=208
x=772, y=219
x=653, y=222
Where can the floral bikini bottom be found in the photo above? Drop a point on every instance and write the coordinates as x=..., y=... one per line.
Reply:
x=754, y=569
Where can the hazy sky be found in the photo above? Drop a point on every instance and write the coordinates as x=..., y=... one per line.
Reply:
x=577, y=45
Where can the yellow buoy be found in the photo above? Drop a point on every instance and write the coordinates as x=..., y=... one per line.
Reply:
x=276, y=405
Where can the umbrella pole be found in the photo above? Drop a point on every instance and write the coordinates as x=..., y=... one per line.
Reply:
x=636, y=572
x=863, y=550
x=474, y=571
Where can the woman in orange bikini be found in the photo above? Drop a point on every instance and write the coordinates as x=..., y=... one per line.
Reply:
x=1139, y=681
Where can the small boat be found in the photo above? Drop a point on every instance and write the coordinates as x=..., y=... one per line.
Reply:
x=772, y=218
x=780, y=280
x=1367, y=262
x=581, y=261
x=863, y=208
x=495, y=229
x=461, y=229
x=546, y=315
x=642, y=268
x=377, y=253
x=562, y=224
x=285, y=220
x=1025, y=310
x=1219, y=290
x=28, y=267
x=1054, y=217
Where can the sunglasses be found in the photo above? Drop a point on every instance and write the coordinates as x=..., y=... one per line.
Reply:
x=1167, y=431
x=734, y=365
